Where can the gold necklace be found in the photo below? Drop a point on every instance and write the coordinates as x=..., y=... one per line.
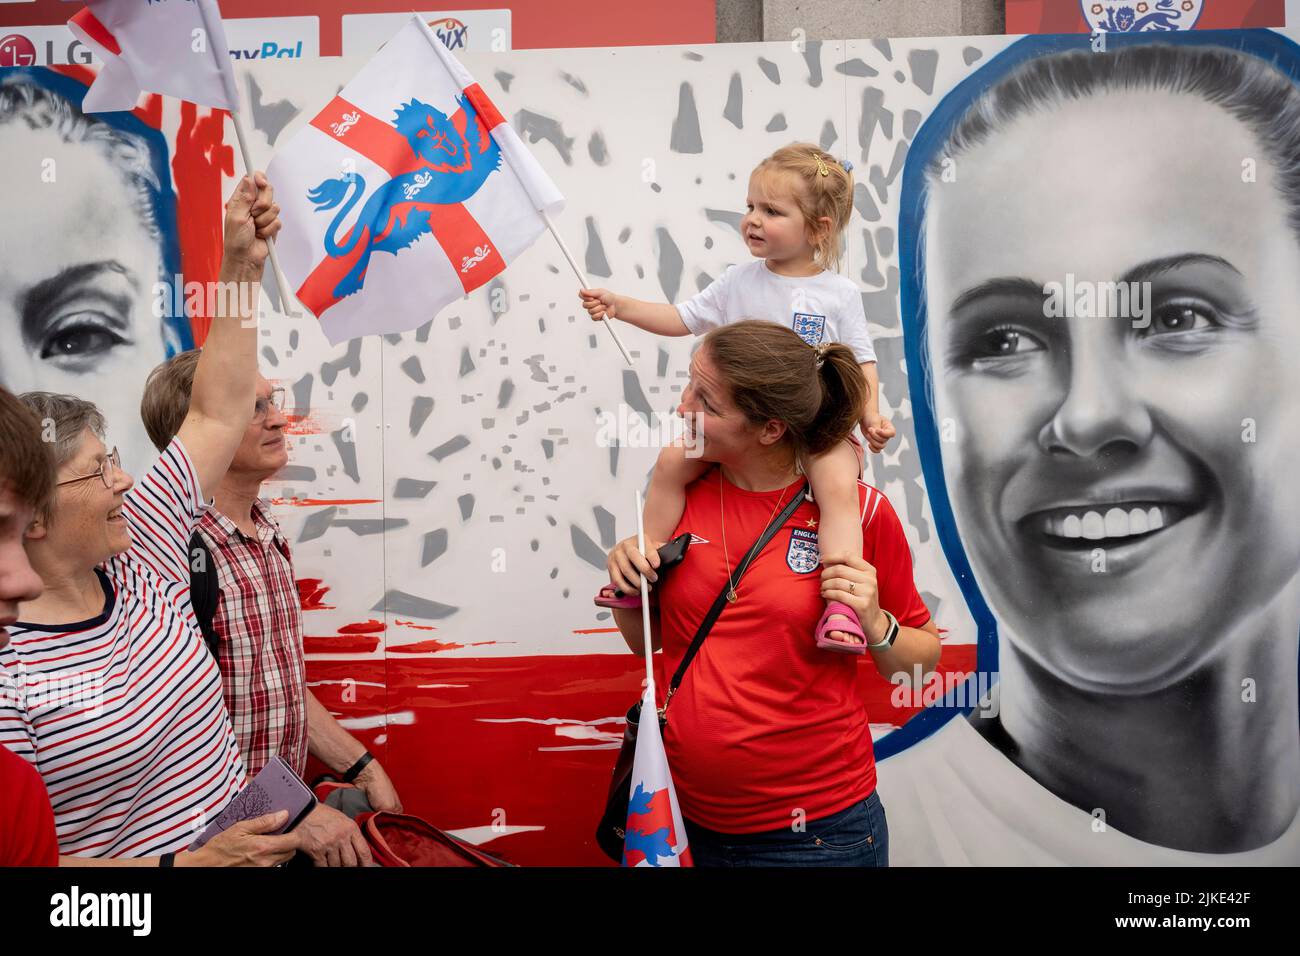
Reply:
x=732, y=593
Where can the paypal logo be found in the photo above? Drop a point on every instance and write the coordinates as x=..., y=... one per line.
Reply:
x=270, y=50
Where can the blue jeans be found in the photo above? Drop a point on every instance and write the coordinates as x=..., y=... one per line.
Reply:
x=856, y=836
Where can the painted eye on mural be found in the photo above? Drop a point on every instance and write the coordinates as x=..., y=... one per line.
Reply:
x=80, y=340
x=1005, y=341
x=1175, y=317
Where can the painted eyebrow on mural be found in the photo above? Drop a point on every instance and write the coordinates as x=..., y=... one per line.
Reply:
x=1012, y=286
x=48, y=294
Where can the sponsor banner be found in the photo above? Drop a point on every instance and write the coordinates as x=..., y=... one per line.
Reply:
x=1140, y=16
x=42, y=46
x=477, y=31
x=253, y=38
x=273, y=38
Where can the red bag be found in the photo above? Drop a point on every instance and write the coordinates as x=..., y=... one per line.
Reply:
x=397, y=839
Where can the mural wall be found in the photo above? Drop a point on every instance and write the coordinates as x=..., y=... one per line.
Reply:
x=452, y=492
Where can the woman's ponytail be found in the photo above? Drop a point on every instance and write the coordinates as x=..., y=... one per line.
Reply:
x=844, y=396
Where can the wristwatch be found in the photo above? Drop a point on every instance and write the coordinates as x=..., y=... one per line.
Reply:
x=890, y=633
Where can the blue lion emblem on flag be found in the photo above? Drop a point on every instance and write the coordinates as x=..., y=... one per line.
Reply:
x=802, y=555
x=809, y=327
x=1138, y=16
x=449, y=159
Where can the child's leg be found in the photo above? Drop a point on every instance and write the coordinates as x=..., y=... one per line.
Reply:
x=834, y=479
x=666, y=499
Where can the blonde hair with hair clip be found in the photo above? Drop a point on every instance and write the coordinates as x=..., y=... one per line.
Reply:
x=825, y=189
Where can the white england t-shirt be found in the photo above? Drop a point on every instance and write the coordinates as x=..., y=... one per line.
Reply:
x=823, y=308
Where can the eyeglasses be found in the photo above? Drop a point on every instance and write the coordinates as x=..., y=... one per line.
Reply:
x=264, y=405
x=108, y=468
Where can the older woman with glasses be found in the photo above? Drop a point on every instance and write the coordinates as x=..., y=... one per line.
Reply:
x=118, y=704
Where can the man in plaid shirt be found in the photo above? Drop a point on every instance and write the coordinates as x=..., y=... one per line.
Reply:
x=258, y=621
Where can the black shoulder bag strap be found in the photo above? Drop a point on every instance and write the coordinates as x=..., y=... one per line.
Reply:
x=205, y=591
x=720, y=601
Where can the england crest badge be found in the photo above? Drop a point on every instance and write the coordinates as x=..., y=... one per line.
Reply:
x=802, y=554
x=1139, y=16
x=809, y=327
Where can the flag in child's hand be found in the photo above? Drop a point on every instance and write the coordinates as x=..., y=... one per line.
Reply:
x=406, y=192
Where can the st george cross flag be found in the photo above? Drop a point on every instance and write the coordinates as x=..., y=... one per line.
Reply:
x=408, y=191
x=655, y=835
x=174, y=47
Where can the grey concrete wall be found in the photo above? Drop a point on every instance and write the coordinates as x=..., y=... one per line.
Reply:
x=740, y=20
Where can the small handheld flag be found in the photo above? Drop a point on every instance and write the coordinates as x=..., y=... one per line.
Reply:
x=174, y=47
x=655, y=834
x=406, y=192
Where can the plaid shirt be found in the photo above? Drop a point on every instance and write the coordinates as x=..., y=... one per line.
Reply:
x=259, y=630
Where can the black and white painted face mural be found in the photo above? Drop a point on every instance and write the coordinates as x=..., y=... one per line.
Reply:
x=91, y=234
x=1101, y=310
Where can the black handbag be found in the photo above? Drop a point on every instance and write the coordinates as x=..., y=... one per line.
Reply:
x=609, y=833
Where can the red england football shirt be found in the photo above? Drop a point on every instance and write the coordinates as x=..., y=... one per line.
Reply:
x=767, y=727
x=26, y=821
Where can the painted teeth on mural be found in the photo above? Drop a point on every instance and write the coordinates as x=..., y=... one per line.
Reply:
x=1117, y=522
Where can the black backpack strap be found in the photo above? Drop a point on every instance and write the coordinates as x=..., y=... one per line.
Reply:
x=205, y=592
x=720, y=601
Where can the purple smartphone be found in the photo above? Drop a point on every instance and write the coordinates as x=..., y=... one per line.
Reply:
x=275, y=788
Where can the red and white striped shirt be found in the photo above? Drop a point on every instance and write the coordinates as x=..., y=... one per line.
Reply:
x=122, y=714
x=259, y=638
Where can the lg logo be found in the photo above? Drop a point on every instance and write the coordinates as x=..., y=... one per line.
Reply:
x=17, y=50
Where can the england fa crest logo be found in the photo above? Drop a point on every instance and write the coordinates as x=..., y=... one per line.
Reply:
x=809, y=327
x=1140, y=16
x=802, y=554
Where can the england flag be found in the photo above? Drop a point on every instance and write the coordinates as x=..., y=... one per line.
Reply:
x=406, y=192
x=654, y=835
x=174, y=47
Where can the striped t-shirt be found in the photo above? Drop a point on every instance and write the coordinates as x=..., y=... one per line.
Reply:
x=122, y=714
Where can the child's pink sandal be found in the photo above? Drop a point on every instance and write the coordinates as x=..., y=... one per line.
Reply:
x=611, y=596
x=670, y=555
x=848, y=626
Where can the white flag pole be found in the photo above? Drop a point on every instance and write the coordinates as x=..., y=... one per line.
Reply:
x=573, y=264
x=287, y=302
x=645, y=605
x=216, y=31
x=434, y=41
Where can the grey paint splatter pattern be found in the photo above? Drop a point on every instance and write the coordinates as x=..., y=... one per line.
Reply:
x=410, y=605
x=685, y=136
x=670, y=264
x=535, y=127
x=734, y=111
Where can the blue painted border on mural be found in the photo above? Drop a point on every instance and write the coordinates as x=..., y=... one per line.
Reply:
x=162, y=200
x=1268, y=45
